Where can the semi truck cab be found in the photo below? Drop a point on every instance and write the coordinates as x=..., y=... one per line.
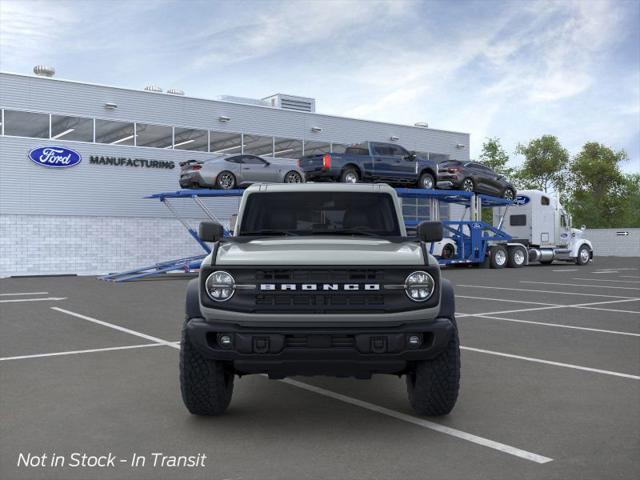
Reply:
x=538, y=221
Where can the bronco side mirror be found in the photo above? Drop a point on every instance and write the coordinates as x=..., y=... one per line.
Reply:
x=210, y=231
x=429, y=231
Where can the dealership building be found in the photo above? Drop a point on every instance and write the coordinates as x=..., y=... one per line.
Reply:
x=92, y=217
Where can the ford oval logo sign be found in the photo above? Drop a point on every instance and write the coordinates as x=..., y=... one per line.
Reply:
x=521, y=200
x=55, y=157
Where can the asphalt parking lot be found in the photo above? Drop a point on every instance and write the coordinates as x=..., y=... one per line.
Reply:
x=550, y=387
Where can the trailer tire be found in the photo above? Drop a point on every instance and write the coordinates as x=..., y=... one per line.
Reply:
x=584, y=255
x=498, y=256
x=206, y=385
x=517, y=257
x=427, y=181
x=448, y=251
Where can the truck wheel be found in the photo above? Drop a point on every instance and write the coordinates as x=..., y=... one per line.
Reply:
x=517, y=257
x=498, y=256
x=584, y=255
x=426, y=181
x=433, y=384
x=205, y=384
x=349, y=175
x=293, y=177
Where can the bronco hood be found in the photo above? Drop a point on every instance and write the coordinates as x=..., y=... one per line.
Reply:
x=320, y=251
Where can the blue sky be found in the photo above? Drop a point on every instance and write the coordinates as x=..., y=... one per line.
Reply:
x=514, y=69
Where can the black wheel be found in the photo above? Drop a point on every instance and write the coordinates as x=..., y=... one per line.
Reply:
x=293, y=177
x=584, y=255
x=426, y=181
x=448, y=251
x=349, y=175
x=226, y=180
x=498, y=256
x=509, y=194
x=205, y=384
x=517, y=257
x=433, y=384
x=468, y=185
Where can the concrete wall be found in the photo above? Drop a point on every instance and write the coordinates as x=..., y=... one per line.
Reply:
x=607, y=242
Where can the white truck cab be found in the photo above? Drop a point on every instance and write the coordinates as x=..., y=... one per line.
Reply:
x=538, y=221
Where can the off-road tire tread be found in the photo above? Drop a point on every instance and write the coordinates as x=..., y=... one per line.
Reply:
x=205, y=385
x=434, y=384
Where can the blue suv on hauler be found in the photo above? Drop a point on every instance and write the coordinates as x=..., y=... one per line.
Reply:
x=372, y=162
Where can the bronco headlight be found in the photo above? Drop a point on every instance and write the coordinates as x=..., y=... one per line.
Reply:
x=419, y=286
x=220, y=286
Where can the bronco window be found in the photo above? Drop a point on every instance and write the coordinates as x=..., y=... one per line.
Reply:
x=328, y=213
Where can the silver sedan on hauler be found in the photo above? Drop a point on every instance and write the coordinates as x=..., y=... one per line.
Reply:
x=226, y=172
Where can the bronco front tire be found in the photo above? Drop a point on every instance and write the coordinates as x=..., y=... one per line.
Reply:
x=433, y=384
x=206, y=385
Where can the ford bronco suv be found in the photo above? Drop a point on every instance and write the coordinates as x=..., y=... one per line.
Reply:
x=320, y=279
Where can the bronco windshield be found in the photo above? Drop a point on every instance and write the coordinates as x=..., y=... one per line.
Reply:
x=320, y=213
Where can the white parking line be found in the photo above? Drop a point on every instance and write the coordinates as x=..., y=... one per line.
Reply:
x=566, y=270
x=581, y=285
x=23, y=293
x=485, y=442
x=505, y=300
x=629, y=276
x=46, y=299
x=632, y=312
x=551, y=306
x=607, y=280
x=556, y=364
x=117, y=327
x=76, y=352
x=558, y=325
x=528, y=290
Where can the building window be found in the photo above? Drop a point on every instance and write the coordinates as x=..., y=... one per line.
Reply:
x=157, y=136
x=258, y=145
x=191, y=139
x=114, y=133
x=287, y=148
x=71, y=128
x=225, y=143
x=338, y=148
x=26, y=124
x=316, y=148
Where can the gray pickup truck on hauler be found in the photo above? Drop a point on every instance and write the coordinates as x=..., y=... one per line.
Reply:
x=320, y=279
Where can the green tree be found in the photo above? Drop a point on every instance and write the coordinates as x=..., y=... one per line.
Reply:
x=599, y=194
x=495, y=157
x=545, y=164
x=630, y=215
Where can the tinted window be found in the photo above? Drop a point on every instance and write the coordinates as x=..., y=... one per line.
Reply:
x=26, y=124
x=356, y=151
x=544, y=201
x=114, y=133
x=251, y=159
x=224, y=142
x=258, y=145
x=379, y=149
x=287, y=148
x=157, y=136
x=328, y=213
x=234, y=159
x=71, y=128
x=191, y=139
x=518, y=220
x=398, y=151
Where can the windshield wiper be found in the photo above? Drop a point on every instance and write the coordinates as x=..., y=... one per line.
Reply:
x=270, y=231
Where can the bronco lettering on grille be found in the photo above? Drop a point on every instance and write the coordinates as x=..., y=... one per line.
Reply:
x=319, y=286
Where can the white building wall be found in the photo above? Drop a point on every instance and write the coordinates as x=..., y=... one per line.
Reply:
x=612, y=242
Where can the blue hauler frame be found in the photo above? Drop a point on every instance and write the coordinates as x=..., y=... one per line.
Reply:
x=472, y=237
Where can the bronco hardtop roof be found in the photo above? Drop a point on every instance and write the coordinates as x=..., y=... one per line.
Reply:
x=321, y=187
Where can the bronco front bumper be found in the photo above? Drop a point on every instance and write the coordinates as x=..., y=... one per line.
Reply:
x=317, y=350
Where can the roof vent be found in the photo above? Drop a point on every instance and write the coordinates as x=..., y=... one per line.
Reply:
x=291, y=102
x=153, y=88
x=175, y=91
x=44, y=71
x=421, y=124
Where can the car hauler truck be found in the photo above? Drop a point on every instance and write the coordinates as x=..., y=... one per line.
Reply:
x=537, y=221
